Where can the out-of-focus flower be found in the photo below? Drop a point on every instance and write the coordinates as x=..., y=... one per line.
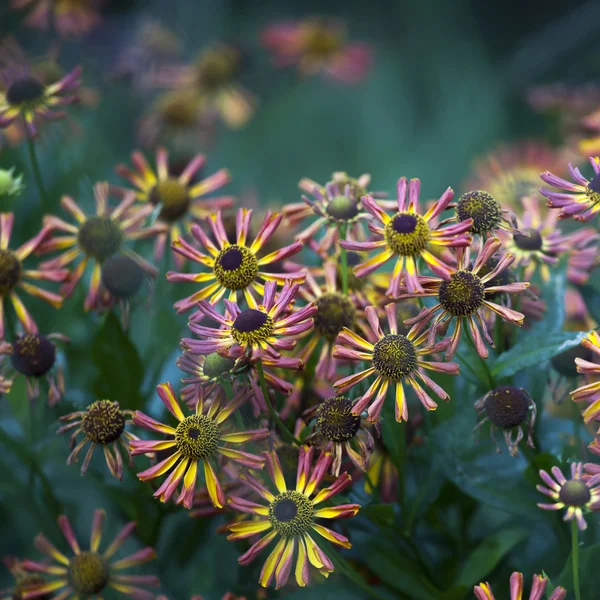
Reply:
x=290, y=515
x=214, y=76
x=589, y=393
x=539, y=243
x=395, y=360
x=511, y=173
x=337, y=430
x=10, y=184
x=574, y=494
x=23, y=580
x=318, y=45
x=197, y=438
x=568, y=100
x=579, y=200
x=178, y=200
x=465, y=293
x=583, y=254
x=235, y=267
x=264, y=328
x=103, y=424
x=13, y=274
x=507, y=408
x=96, y=238
x=68, y=17
x=408, y=236
x=485, y=213
x=483, y=591
x=26, y=100
x=34, y=356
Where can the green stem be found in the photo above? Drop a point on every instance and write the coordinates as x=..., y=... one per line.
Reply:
x=575, y=557
x=37, y=175
x=342, y=230
x=287, y=434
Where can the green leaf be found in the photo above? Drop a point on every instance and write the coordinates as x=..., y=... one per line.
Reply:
x=591, y=297
x=120, y=369
x=484, y=559
x=534, y=351
x=589, y=559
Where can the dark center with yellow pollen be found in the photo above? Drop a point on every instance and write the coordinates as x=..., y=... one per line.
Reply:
x=216, y=365
x=394, y=357
x=100, y=237
x=335, y=420
x=335, y=311
x=463, y=295
x=482, y=208
x=530, y=240
x=33, y=355
x=575, y=493
x=407, y=234
x=10, y=271
x=122, y=275
x=25, y=90
x=103, y=422
x=342, y=208
x=88, y=573
x=236, y=267
x=174, y=198
x=252, y=326
x=197, y=437
x=507, y=406
x=291, y=513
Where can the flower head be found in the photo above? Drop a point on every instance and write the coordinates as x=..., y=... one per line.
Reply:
x=318, y=46
x=508, y=408
x=234, y=268
x=10, y=184
x=198, y=437
x=291, y=514
x=34, y=356
x=88, y=572
x=395, y=360
x=23, y=580
x=485, y=213
x=483, y=591
x=25, y=99
x=408, y=236
x=575, y=494
x=464, y=294
x=579, y=200
x=102, y=424
x=178, y=199
x=590, y=392
x=13, y=274
x=95, y=238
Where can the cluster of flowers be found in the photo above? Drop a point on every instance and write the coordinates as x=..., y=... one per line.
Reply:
x=256, y=316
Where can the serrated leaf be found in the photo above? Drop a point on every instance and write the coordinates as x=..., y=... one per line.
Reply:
x=534, y=351
x=484, y=559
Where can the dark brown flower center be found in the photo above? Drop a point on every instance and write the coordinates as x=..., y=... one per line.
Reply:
x=482, y=208
x=462, y=295
x=407, y=234
x=103, y=422
x=88, y=573
x=10, y=271
x=507, y=406
x=394, y=357
x=236, y=267
x=100, y=237
x=335, y=420
x=174, y=198
x=335, y=311
x=122, y=276
x=24, y=90
x=291, y=513
x=197, y=437
x=33, y=355
x=529, y=240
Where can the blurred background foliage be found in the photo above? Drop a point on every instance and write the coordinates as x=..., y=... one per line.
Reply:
x=448, y=84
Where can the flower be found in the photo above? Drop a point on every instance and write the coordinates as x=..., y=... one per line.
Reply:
x=337, y=429
x=580, y=200
x=178, y=199
x=394, y=359
x=10, y=184
x=291, y=514
x=13, y=275
x=26, y=100
x=69, y=17
x=235, y=267
x=318, y=45
x=96, y=238
x=214, y=76
x=407, y=235
x=23, y=580
x=196, y=438
x=103, y=424
x=483, y=591
x=575, y=494
x=507, y=408
x=538, y=243
x=34, y=356
x=262, y=328
x=485, y=213
x=589, y=392
x=465, y=293
x=89, y=572
x=583, y=254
